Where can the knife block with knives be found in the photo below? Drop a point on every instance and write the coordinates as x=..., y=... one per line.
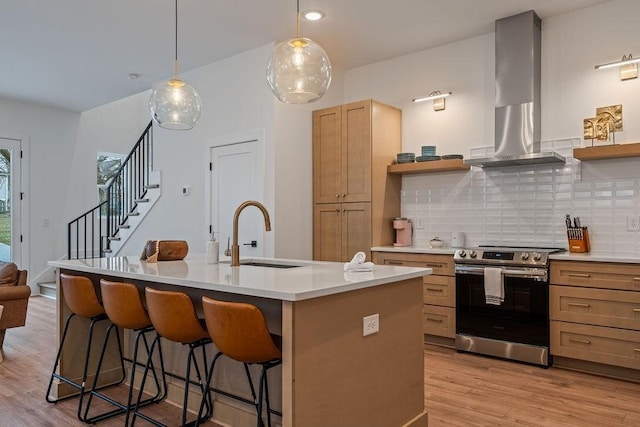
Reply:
x=578, y=236
x=578, y=239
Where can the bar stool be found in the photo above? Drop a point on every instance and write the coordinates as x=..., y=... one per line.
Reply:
x=174, y=318
x=240, y=332
x=123, y=305
x=80, y=296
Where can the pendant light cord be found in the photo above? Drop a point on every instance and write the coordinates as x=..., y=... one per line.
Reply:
x=297, y=19
x=175, y=64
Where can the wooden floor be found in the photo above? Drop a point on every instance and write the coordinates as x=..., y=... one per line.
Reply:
x=29, y=354
x=461, y=389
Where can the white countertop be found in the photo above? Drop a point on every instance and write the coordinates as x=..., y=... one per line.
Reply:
x=571, y=256
x=415, y=250
x=565, y=256
x=313, y=279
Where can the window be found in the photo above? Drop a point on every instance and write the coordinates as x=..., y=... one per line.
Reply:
x=108, y=165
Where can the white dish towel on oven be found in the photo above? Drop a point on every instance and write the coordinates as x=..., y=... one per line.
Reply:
x=493, y=285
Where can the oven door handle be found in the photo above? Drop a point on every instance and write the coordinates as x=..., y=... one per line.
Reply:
x=507, y=272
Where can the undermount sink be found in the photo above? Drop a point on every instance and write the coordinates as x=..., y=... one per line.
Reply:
x=269, y=264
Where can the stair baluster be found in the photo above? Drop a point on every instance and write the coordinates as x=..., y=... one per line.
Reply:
x=90, y=234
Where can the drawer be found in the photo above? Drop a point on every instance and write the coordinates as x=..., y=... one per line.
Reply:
x=598, y=344
x=441, y=264
x=605, y=275
x=440, y=321
x=602, y=307
x=440, y=290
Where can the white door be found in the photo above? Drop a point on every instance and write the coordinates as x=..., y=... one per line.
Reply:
x=10, y=200
x=237, y=175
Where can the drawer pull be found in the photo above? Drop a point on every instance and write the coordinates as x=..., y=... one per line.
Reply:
x=585, y=275
x=636, y=310
x=579, y=304
x=394, y=262
x=440, y=290
x=637, y=279
x=580, y=341
x=430, y=319
x=434, y=265
x=637, y=349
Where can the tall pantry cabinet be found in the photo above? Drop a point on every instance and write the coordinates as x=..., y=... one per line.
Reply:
x=354, y=199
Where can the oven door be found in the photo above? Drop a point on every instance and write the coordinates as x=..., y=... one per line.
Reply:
x=523, y=317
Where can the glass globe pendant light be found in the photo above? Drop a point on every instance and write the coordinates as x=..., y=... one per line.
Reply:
x=174, y=104
x=299, y=70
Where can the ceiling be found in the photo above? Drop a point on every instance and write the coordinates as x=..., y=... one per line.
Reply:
x=77, y=54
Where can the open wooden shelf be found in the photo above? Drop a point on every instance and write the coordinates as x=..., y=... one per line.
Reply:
x=427, y=167
x=617, y=151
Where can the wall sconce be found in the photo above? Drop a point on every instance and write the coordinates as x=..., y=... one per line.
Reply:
x=437, y=97
x=628, y=67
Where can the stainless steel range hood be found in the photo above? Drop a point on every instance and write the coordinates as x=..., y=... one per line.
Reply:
x=517, y=111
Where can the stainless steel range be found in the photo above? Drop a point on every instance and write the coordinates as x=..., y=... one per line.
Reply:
x=502, y=302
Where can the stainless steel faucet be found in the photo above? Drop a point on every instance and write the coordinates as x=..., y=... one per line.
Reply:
x=235, y=249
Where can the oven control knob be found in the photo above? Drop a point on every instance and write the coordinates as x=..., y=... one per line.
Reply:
x=524, y=256
x=462, y=254
x=472, y=254
x=536, y=256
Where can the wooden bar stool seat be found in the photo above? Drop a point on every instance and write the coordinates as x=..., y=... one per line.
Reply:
x=80, y=296
x=174, y=318
x=240, y=332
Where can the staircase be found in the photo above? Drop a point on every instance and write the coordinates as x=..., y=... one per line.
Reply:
x=130, y=195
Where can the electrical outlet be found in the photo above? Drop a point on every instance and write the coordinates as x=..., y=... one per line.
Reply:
x=633, y=223
x=419, y=223
x=370, y=324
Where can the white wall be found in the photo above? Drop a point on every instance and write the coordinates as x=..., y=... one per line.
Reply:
x=51, y=136
x=572, y=44
x=235, y=98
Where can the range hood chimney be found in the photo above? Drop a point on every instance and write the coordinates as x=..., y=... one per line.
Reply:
x=517, y=111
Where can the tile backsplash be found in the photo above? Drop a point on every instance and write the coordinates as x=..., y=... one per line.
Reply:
x=526, y=205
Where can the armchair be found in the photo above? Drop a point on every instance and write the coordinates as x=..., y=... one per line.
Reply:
x=14, y=297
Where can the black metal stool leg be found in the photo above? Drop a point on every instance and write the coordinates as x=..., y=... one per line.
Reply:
x=57, y=361
x=266, y=395
x=136, y=413
x=206, y=394
x=94, y=388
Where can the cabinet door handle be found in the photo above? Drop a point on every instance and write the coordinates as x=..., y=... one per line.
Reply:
x=637, y=349
x=579, y=304
x=337, y=196
x=393, y=262
x=580, y=341
x=435, y=289
x=637, y=279
x=430, y=319
x=585, y=275
x=434, y=265
x=636, y=310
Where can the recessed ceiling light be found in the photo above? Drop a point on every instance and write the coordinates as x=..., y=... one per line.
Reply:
x=313, y=15
x=133, y=76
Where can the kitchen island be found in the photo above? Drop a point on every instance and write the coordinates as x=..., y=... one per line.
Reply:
x=331, y=374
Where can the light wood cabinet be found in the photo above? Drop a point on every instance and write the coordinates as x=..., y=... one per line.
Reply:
x=595, y=314
x=439, y=292
x=339, y=228
x=352, y=146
